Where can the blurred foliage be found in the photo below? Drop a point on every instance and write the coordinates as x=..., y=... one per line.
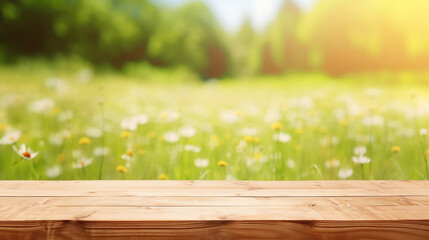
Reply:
x=336, y=36
x=282, y=51
x=149, y=73
x=102, y=31
x=111, y=32
x=245, y=45
x=185, y=36
x=365, y=35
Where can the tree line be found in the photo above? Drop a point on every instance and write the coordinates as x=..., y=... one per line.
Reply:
x=336, y=36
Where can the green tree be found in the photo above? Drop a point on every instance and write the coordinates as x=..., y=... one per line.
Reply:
x=245, y=48
x=187, y=36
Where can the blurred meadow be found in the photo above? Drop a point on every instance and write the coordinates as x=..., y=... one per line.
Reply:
x=249, y=90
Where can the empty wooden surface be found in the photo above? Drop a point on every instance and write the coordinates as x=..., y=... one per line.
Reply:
x=214, y=210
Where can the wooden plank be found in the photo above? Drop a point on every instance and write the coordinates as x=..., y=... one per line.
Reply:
x=214, y=210
x=274, y=230
x=213, y=188
x=295, y=213
x=11, y=202
x=55, y=185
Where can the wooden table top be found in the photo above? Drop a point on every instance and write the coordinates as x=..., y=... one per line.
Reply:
x=214, y=209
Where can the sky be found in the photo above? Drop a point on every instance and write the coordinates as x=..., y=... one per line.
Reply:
x=232, y=13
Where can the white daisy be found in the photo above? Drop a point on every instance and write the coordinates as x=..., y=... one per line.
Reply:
x=423, y=132
x=77, y=153
x=141, y=119
x=25, y=152
x=229, y=116
x=361, y=159
x=171, y=137
x=84, y=75
x=333, y=163
x=129, y=124
x=170, y=115
x=201, y=162
x=94, y=132
x=373, y=120
x=42, y=105
x=101, y=151
x=126, y=157
x=192, y=148
x=273, y=115
x=56, y=139
x=345, y=173
x=290, y=163
x=360, y=150
x=65, y=116
x=187, y=131
x=53, y=171
x=282, y=137
x=82, y=162
x=249, y=131
x=58, y=84
x=240, y=146
x=10, y=137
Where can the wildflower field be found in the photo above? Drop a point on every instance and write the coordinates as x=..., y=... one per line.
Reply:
x=296, y=127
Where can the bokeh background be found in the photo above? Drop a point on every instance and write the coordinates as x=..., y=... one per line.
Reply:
x=216, y=39
x=214, y=89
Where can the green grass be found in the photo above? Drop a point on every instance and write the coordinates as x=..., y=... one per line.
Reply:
x=324, y=118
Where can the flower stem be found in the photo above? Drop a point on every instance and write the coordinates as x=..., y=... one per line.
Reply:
x=33, y=171
x=425, y=158
x=102, y=144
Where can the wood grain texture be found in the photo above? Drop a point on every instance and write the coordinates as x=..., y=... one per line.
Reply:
x=214, y=210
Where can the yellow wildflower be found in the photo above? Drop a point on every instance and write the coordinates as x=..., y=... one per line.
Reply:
x=248, y=138
x=125, y=134
x=129, y=152
x=84, y=141
x=257, y=155
x=162, y=176
x=222, y=163
x=276, y=126
x=3, y=126
x=396, y=149
x=121, y=169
